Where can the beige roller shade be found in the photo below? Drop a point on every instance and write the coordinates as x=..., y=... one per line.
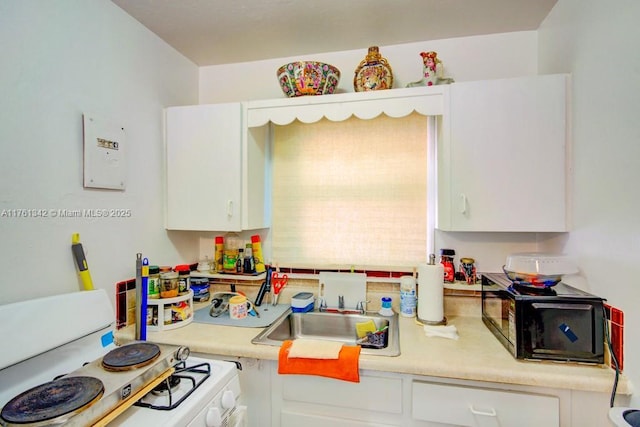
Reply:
x=350, y=194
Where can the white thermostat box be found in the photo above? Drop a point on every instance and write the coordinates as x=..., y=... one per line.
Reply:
x=104, y=154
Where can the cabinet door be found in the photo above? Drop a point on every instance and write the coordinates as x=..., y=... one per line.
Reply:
x=203, y=145
x=501, y=166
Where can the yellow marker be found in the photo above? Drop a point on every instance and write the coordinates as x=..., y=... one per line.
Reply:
x=81, y=262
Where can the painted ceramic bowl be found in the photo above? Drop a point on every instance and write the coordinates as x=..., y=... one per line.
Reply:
x=308, y=78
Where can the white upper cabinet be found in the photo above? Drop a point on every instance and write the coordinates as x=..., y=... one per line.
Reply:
x=502, y=162
x=501, y=153
x=204, y=158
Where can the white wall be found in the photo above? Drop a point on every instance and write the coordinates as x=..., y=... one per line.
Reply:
x=61, y=58
x=598, y=43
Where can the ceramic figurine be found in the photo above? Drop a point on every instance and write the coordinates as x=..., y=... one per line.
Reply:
x=373, y=72
x=432, y=71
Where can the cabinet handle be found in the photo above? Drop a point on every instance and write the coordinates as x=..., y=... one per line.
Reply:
x=463, y=204
x=490, y=413
x=230, y=208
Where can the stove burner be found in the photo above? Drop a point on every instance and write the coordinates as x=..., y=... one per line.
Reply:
x=130, y=356
x=64, y=396
x=166, y=386
x=531, y=290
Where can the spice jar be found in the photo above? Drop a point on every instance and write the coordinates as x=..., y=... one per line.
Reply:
x=153, y=284
x=183, y=278
x=169, y=285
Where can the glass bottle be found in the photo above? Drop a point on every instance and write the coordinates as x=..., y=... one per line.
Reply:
x=240, y=261
x=249, y=266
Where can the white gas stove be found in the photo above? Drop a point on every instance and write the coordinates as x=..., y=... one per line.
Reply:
x=64, y=369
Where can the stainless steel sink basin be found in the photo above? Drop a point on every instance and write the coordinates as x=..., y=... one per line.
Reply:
x=332, y=327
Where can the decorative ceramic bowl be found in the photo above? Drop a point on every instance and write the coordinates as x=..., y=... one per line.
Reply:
x=308, y=78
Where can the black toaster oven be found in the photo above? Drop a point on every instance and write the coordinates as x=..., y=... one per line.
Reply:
x=555, y=323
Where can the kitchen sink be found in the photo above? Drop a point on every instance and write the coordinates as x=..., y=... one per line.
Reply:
x=332, y=327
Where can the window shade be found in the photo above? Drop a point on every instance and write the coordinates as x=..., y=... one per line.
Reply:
x=351, y=194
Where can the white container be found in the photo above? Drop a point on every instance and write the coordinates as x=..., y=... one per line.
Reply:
x=302, y=302
x=408, y=296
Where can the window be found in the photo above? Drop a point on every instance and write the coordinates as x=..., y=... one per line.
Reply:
x=351, y=194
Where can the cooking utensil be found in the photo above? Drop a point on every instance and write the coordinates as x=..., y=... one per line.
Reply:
x=264, y=288
x=538, y=270
x=278, y=282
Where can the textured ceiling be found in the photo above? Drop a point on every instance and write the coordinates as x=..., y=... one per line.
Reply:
x=211, y=32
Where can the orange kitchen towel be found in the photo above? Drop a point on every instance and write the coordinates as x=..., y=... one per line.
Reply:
x=345, y=367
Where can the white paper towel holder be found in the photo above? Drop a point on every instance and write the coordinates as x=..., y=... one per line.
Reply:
x=430, y=322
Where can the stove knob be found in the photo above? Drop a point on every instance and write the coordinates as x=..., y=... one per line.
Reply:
x=228, y=400
x=214, y=417
x=183, y=353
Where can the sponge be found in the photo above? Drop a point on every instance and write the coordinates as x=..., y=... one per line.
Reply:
x=363, y=327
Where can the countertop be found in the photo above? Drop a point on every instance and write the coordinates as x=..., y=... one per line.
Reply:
x=476, y=355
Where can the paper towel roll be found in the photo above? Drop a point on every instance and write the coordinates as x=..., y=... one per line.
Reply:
x=431, y=292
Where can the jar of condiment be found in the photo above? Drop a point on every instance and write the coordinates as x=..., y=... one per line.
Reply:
x=153, y=284
x=183, y=278
x=468, y=270
x=169, y=284
x=446, y=259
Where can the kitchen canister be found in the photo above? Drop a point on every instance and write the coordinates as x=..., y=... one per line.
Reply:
x=431, y=292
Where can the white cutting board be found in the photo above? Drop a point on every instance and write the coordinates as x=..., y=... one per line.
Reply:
x=352, y=286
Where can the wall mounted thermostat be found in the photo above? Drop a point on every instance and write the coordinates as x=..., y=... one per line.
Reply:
x=104, y=154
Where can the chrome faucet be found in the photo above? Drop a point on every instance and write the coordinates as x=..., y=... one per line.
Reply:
x=341, y=302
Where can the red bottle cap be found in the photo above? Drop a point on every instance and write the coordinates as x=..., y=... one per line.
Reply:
x=219, y=240
x=255, y=239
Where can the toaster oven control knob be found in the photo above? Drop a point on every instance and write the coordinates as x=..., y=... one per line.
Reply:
x=228, y=400
x=183, y=353
x=214, y=417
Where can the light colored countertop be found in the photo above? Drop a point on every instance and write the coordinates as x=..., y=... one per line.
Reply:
x=476, y=355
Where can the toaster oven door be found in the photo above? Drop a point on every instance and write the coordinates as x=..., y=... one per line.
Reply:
x=563, y=330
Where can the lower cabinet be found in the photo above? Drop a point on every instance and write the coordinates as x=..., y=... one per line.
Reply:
x=301, y=400
x=383, y=399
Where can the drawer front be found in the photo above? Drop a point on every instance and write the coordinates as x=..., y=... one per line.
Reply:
x=469, y=406
x=296, y=419
x=373, y=393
